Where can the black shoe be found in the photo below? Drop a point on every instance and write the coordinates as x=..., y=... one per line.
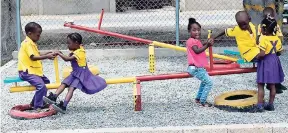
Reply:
x=278, y=90
x=45, y=105
x=282, y=87
x=257, y=109
x=206, y=104
x=51, y=99
x=269, y=107
x=59, y=107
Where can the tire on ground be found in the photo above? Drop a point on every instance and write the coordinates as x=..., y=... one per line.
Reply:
x=237, y=101
x=20, y=112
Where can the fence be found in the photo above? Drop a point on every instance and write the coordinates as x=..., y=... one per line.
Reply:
x=149, y=19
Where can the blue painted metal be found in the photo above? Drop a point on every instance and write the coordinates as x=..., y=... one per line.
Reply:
x=229, y=52
x=18, y=24
x=12, y=80
x=177, y=22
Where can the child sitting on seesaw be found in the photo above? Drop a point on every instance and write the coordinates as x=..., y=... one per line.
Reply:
x=197, y=60
x=80, y=77
x=30, y=66
x=269, y=69
x=245, y=35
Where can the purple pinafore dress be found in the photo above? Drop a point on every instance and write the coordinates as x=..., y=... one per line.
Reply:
x=269, y=69
x=82, y=78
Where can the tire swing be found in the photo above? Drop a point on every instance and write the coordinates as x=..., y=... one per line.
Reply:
x=236, y=101
x=20, y=112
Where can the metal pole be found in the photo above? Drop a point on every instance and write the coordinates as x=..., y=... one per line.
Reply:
x=177, y=22
x=18, y=24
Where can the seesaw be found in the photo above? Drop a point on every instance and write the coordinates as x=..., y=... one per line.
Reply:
x=18, y=111
x=136, y=80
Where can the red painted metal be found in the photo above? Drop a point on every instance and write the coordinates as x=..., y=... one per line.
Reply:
x=223, y=66
x=137, y=97
x=108, y=33
x=186, y=75
x=222, y=62
x=101, y=18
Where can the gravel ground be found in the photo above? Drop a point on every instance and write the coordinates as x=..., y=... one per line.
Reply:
x=165, y=103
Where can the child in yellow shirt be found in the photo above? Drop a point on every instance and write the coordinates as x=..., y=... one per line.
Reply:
x=269, y=69
x=245, y=35
x=30, y=65
x=269, y=12
x=80, y=78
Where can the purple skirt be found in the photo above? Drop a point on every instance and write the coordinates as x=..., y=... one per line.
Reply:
x=83, y=79
x=269, y=70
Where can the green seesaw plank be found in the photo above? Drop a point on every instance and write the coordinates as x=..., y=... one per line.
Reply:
x=12, y=80
x=229, y=52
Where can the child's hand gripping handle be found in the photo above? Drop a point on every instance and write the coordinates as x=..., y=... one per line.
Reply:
x=210, y=50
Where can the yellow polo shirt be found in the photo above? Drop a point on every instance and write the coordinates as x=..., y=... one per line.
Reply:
x=80, y=55
x=246, y=42
x=27, y=49
x=266, y=44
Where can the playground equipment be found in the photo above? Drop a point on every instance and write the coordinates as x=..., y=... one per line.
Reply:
x=20, y=111
x=240, y=101
x=230, y=66
x=138, y=79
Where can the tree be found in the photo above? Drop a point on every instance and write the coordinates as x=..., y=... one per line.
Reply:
x=255, y=9
x=8, y=30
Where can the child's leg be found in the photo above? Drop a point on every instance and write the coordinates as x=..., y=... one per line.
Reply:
x=206, y=81
x=270, y=106
x=272, y=93
x=41, y=89
x=260, y=94
x=61, y=107
x=60, y=89
x=199, y=94
x=68, y=96
x=51, y=99
x=260, y=103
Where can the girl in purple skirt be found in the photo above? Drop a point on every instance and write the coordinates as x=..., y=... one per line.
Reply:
x=80, y=78
x=269, y=69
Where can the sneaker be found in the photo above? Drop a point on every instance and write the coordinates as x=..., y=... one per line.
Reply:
x=51, y=99
x=269, y=107
x=206, y=104
x=45, y=105
x=197, y=101
x=257, y=109
x=59, y=107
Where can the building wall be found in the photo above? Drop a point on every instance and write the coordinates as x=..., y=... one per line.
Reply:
x=63, y=7
x=192, y=5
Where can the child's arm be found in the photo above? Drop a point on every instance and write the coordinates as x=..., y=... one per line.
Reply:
x=220, y=34
x=207, y=44
x=229, y=32
x=257, y=39
x=65, y=57
x=42, y=57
